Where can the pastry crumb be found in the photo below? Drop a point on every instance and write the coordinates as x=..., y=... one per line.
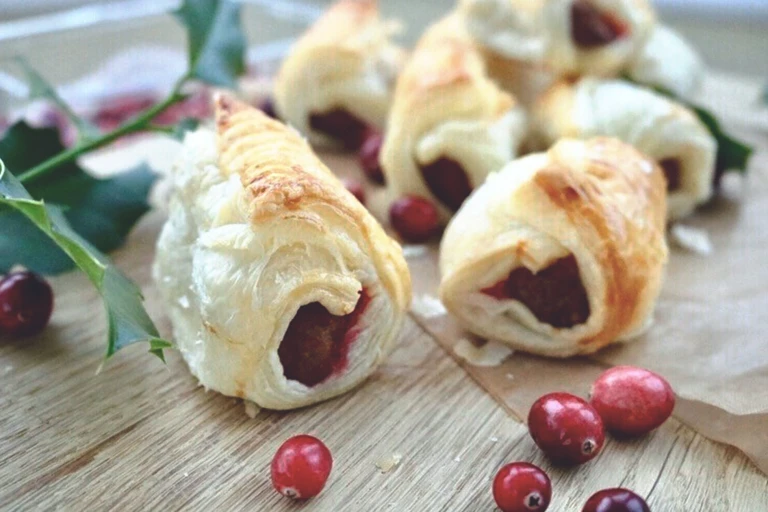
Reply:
x=493, y=439
x=691, y=239
x=427, y=306
x=414, y=251
x=457, y=459
x=491, y=353
x=389, y=463
x=251, y=409
x=510, y=376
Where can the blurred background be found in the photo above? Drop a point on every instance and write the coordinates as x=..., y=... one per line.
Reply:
x=67, y=38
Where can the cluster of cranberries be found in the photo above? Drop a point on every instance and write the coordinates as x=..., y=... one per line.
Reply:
x=624, y=400
x=26, y=304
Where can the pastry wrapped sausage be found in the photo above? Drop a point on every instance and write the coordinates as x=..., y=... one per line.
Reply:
x=280, y=286
x=669, y=62
x=339, y=77
x=662, y=129
x=559, y=253
x=571, y=37
x=450, y=125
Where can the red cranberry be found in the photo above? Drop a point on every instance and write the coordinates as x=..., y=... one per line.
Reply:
x=369, y=156
x=591, y=28
x=615, y=500
x=566, y=428
x=447, y=181
x=356, y=188
x=414, y=218
x=301, y=467
x=522, y=487
x=632, y=401
x=26, y=304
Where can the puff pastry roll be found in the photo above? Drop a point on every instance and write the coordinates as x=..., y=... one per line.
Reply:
x=450, y=125
x=526, y=81
x=559, y=253
x=662, y=129
x=572, y=37
x=280, y=286
x=339, y=77
x=669, y=62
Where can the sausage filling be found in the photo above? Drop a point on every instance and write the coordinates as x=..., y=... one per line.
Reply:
x=673, y=173
x=447, y=181
x=316, y=344
x=591, y=28
x=555, y=295
x=340, y=125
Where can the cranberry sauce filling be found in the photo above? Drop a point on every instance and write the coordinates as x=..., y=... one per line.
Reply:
x=447, y=181
x=591, y=28
x=672, y=171
x=555, y=295
x=316, y=344
x=340, y=125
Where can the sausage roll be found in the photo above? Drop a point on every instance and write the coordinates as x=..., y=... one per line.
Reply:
x=338, y=78
x=662, y=129
x=669, y=62
x=281, y=288
x=525, y=81
x=450, y=125
x=559, y=253
x=572, y=37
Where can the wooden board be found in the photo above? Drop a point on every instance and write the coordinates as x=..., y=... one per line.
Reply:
x=140, y=436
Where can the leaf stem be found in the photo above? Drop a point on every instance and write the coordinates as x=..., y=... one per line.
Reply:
x=138, y=123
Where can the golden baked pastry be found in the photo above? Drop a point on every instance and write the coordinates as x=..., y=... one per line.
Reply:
x=571, y=37
x=450, y=125
x=280, y=286
x=659, y=127
x=339, y=77
x=560, y=253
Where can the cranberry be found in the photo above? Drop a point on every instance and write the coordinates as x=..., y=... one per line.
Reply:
x=356, y=188
x=301, y=467
x=369, y=156
x=566, y=428
x=632, y=401
x=414, y=218
x=522, y=487
x=26, y=304
x=447, y=181
x=591, y=28
x=341, y=125
x=615, y=500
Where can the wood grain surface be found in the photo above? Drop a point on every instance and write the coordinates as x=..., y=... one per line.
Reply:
x=143, y=436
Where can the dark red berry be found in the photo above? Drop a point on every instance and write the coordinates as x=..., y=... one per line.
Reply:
x=356, y=188
x=566, y=428
x=301, y=467
x=615, y=500
x=632, y=401
x=414, y=218
x=369, y=156
x=26, y=304
x=522, y=487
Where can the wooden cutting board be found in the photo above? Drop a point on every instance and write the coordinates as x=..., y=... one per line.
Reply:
x=143, y=436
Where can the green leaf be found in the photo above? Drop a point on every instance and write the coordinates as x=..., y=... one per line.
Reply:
x=182, y=127
x=39, y=88
x=215, y=40
x=103, y=211
x=128, y=320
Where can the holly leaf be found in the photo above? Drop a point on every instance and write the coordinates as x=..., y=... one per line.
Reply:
x=102, y=211
x=215, y=41
x=128, y=320
x=40, y=88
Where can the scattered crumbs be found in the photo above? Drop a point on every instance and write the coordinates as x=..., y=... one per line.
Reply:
x=510, y=376
x=491, y=353
x=414, y=251
x=457, y=459
x=692, y=239
x=427, y=306
x=494, y=439
x=389, y=463
x=251, y=409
